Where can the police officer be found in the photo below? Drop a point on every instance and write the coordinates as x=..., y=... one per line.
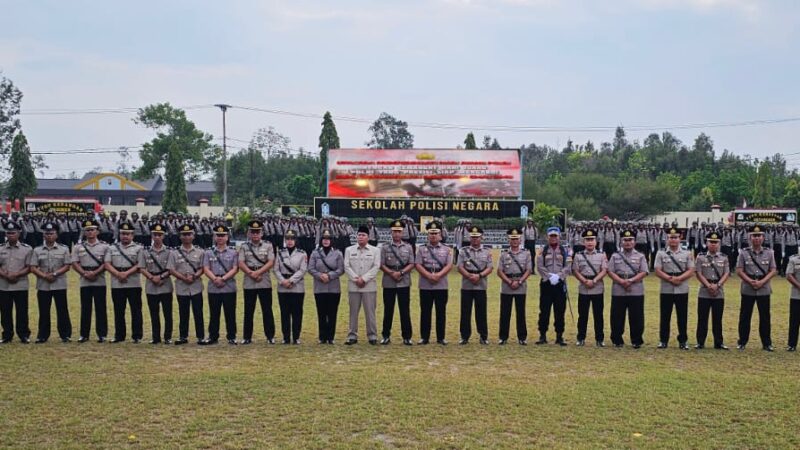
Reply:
x=326, y=265
x=220, y=265
x=397, y=262
x=475, y=264
x=373, y=232
x=362, y=263
x=756, y=267
x=290, y=269
x=627, y=268
x=792, y=272
x=186, y=265
x=590, y=266
x=674, y=267
x=712, y=270
x=553, y=266
x=88, y=261
x=256, y=258
x=433, y=261
x=514, y=267
x=154, y=265
x=15, y=261
x=50, y=263
x=122, y=262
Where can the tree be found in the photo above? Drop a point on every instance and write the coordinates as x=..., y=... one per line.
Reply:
x=23, y=180
x=762, y=191
x=490, y=144
x=10, y=98
x=301, y=188
x=545, y=215
x=269, y=141
x=183, y=151
x=469, y=142
x=328, y=139
x=388, y=132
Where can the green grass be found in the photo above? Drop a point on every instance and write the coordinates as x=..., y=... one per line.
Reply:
x=310, y=396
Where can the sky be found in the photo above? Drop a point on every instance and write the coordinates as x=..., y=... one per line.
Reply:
x=571, y=64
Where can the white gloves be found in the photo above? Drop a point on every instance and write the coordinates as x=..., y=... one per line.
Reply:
x=554, y=279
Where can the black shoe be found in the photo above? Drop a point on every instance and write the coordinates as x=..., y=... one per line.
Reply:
x=791, y=349
x=330, y=341
x=542, y=340
x=82, y=339
x=463, y=341
x=286, y=342
x=153, y=342
x=721, y=347
x=271, y=341
x=580, y=343
x=351, y=342
x=662, y=345
x=232, y=342
x=296, y=342
x=136, y=341
x=181, y=341
x=619, y=345
x=115, y=340
x=322, y=342
x=247, y=341
x=385, y=341
x=407, y=342
x=561, y=342
x=637, y=346
x=502, y=342
x=600, y=344
x=683, y=346
x=484, y=341
x=5, y=341
x=25, y=340
x=768, y=348
x=740, y=346
x=66, y=340
x=700, y=347
x=423, y=342
x=373, y=342
x=208, y=342
x=40, y=341
x=523, y=342
x=101, y=340
x=167, y=341
x=441, y=342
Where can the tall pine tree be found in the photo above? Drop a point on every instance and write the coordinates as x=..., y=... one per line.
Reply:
x=328, y=139
x=469, y=142
x=175, y=198
x=23, y=180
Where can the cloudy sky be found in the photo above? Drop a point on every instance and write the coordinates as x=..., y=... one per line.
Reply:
x=649, y=64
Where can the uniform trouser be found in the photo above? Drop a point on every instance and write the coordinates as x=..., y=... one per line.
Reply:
x=162, y=302
x=94, y=295
x=369, y=300
x=633, y=305
x=196, y=303
x=373, y=243
x=63, y=324
x=609, y=248
x=530, y=246
x=264, y=296
x=291, y=306
x=518, y=301
x=554, y=297
x=226, y=302
x=681, y=303
x=403, y=297
x=9, y=300
x=794, y=321
x=764, y=321
x=327, y=310
x=468, y=297
x=777, y=251
x=428, y=298
x=121, y=297
x=716, y=306
x=596, y=303
x=728, y=250
x=790, y=250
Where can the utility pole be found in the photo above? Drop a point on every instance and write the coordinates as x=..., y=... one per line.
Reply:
x=224, y=109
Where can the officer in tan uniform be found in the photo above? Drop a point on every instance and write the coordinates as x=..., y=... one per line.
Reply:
x=362, y=263
x=186, y=265
x=256, y=258
x=88, y=260
x=290, y=270
x=50, y=263
x=712, y=271
x=674, y=267
x=397, y=262
x=514, y=267
x=474, y=264
x=154, y=264
x=756, y=267
x=220, y=265
x=792, y=273
x=122, y=262
x=433, y=261
x=326, y=265
x=590, y=266
x=15, y=260
x=627, y=268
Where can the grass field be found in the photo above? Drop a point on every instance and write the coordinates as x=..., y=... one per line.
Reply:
x=101, y=395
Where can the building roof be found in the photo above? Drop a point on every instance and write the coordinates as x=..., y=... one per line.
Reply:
x=91, y=183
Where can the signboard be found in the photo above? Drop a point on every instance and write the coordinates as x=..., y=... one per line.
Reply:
x=380, y=173
x=418, y=208
x=765, y=215
x=60, y=205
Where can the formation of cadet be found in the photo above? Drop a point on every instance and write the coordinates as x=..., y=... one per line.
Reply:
x=172, y=260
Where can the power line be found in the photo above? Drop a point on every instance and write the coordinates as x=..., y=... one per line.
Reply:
x=71, y=111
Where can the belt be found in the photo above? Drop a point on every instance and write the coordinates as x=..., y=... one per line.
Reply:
x=254, y=267
x=89, y=267
x=626, y=276
x=121, y=269
x=675, y=274
x=430, y=269
x=513, y=275
x=287, y=275
x=712, y=281
x=161, y=273
x=474, y=271
x=397, y=268
x=756, y=277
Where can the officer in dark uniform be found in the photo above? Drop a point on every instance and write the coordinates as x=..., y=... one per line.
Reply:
x=553, y=266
